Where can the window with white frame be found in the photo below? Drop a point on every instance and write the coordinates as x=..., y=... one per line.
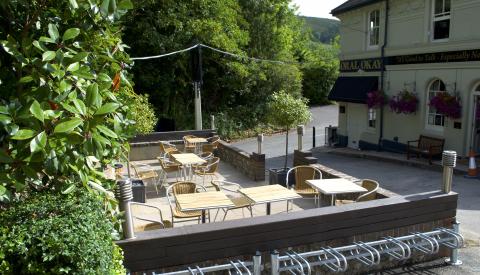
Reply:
x=441, y=19
x=372, y=118
x=374, y=28
x=433, y=117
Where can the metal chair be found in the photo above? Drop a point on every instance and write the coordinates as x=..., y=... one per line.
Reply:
x=303, y=173
x=144, y=175
x=206, y=155
x=188, y=146
x=208, y=169
x=183, y=187
x=168, y=167
x=153, y=224
x=238, y=199
x=166, y=148
x=372, y=187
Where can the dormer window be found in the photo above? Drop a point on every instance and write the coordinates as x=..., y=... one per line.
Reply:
x=441, y=19
x=373, y=28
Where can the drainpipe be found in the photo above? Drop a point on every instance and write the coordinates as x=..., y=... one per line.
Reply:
x=382, y=72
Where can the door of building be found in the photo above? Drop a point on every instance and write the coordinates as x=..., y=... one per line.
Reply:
x=476, y=121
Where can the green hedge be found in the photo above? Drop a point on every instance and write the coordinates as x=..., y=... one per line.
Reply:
x=52, y=233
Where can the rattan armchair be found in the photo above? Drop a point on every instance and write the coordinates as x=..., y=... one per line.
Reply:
x=166, y=148
x=302, y=174
x=372, y=187
x=188, y=146
x=138, y=209
x=209, y=169
x=146, y=174
x=183, y=187
x=168, y=167
x=238, y=199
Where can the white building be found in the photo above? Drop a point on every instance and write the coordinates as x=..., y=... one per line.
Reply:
x=423, y=46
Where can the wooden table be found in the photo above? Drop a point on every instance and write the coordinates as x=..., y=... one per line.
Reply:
x=203, y=201
x=197, y=141
x=268, y=194
x=333, y=187
x=187, y=160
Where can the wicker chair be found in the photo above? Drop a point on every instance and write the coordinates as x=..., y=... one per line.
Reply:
x=303, y=173
x=239, y=200
x=189, y=147
x=168, y=167
x=166, y=148
x=371, y=194
x=152, y=224
x=206, y=155
x=208, y=169
x=183, y=187
x=149, y=174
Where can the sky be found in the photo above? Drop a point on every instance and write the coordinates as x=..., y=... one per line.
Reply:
x=317, y=8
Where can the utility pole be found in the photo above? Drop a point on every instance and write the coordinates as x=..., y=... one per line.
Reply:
x=197, y=72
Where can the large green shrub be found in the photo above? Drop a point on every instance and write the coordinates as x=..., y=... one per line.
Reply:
x=140, y=110
x=52, y=233
x=60, y=115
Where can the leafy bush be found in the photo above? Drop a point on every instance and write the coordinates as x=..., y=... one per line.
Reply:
x=140, y=111
x=60, y=117
x=52, y=233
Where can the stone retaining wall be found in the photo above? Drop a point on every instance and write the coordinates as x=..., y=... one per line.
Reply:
x=252, y=165
x=303, y=158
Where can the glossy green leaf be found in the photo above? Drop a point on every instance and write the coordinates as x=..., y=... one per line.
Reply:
x=37, y=111
x=73, y=4
x=5, y=119
x=48, y=55
x=39, y=142
x=4, y=110
x=68, y=125
x=26, y=79
x=46, y=39
x=107, y=108
x=68, y=189
x=104, y=77
x=125, y=5
x=73, y=67
x=69, y=108
x=24, y=134
x=71, y=34
x=80, y=106
x=84, y=72
x=53, y=32
x=104, y=130
x=104, y=7
x=92, y=95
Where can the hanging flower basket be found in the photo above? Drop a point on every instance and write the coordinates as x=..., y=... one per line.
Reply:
x=447, y=105
x=404, y=102
x=375, y=99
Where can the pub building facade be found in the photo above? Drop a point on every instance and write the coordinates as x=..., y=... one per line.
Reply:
x=425, y=47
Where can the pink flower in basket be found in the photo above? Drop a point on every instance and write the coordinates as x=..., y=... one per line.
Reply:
x=404, y=102
x=447, y=104
x=375, y=99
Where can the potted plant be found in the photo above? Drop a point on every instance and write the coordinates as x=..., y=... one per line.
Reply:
x=405, y=102
x=285, y=112
x=375, y=99
x=447, y=104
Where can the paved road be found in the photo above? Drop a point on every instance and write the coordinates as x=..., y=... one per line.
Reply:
x=274, y=146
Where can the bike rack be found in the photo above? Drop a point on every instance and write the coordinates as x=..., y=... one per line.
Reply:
x=336, y=259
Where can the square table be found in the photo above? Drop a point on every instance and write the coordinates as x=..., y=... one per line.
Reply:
x=333, y=187
x=196, y=141
x=268, y=194
x=187, y=160
x=203, y=201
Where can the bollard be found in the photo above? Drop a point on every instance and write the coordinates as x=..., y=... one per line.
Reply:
x=300, y=133
x=257, y=263
x=260, y=142
x=274, y=262
x=212, y=122
x=314, y=137
x=124, y=195
x=453, y=260
x=449, y=160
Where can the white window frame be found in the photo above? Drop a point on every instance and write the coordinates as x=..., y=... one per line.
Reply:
x=372, y=113
x=371, y=30
x=429, y=126
x=442, y=16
